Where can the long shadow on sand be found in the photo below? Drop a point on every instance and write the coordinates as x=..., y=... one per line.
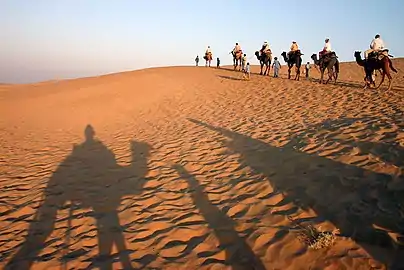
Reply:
x=352, y=198
x=88, y=178
x=238, y=253
x=230, y=78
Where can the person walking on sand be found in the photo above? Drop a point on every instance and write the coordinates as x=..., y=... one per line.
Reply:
x=246, y=74
x=276, y=66
x=197, y=60
x=218, y=62
x=308, y=67
x=243, y=62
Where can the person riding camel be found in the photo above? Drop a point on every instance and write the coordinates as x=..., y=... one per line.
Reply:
x=376, y=45
x=293, y=48
x=237, y=49
x=326, y=49
x=265, y=48
x=208, y=51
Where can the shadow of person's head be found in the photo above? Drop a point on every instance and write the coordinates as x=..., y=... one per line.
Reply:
x=89, y=133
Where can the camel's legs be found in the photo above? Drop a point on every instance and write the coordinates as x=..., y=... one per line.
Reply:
x=322, y=70
x=381, y=81
x=330, y=74
x=297, y=70
x=390, y=80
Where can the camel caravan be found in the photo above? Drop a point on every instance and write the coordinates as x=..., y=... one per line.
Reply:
x=377, y=58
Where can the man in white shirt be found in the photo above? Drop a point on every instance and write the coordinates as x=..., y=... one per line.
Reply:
x=376, y=45
x=326, y=48
x=208, y=51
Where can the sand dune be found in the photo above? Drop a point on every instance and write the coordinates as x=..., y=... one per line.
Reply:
x=194, y=168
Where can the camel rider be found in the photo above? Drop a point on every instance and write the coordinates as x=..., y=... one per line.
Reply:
x=208, y=51
x=326, y=48
x=236, y=49
x=293, y=48
x=265, y=48
x=376, y=45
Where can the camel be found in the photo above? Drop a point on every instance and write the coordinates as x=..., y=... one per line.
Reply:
x=208, y=58
x=295, y=59
x=374, y=63
x=330, y=63
x=237, y=57
x=265, y=59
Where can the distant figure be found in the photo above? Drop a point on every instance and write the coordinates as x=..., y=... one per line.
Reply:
x=197, y=60
x=276, y=66
x=243, y=62
x=218, y=62
x=308, y=67
x=208, y=56
x=246, y=74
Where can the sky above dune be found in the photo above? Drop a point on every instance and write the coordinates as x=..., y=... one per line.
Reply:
x=48, y=39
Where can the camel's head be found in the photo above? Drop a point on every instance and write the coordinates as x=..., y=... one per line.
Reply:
x=257, y=54
x=141, y=149
x=357, y=54
x=283, y=53
x=314, y=57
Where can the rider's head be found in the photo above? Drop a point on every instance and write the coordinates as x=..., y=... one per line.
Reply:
x=244, y=54
x=377, y=36
x=327, y=39
x=236, y=43
x=293, y=42
x=208, y=46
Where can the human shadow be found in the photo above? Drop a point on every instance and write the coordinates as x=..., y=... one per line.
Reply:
x=355, y=200
x=230, y=78
x=238, y=253
x=88, y=178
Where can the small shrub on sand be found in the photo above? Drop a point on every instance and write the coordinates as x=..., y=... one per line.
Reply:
x=314, y=238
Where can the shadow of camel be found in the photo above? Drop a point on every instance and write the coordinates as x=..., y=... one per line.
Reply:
x=88, y=178
x=238, y=253
x=352, y=198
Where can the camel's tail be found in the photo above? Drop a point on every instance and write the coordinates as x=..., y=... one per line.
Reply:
x=391, y=66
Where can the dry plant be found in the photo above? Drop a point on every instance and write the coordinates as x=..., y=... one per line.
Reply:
x=314, y=238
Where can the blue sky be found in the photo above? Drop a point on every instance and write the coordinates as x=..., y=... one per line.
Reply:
x=55, y=39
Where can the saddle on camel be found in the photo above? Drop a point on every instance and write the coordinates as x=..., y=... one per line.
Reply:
x=208, y=56
x=294, y=54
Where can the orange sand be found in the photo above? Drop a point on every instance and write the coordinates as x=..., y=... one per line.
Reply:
x=193, y=168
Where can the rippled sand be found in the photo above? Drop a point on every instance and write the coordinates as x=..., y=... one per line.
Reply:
x=194, y=168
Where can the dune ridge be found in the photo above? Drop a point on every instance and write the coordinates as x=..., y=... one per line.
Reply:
x=194, y=168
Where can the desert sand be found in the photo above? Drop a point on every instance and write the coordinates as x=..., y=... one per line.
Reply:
x=194, y=168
